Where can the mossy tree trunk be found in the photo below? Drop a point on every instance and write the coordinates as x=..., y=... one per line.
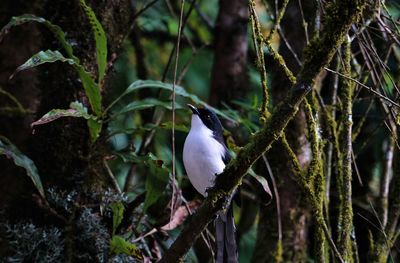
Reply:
x=295, y=217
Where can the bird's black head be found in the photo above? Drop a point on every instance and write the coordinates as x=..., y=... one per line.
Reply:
x=209, y=118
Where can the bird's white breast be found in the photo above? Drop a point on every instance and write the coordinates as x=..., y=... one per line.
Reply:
x=202, y=156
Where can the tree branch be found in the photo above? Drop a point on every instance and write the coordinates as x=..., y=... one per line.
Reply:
x=345, y=171
x=319, y=52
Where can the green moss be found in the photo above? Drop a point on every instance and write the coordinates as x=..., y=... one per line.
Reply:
x=380, y=249
x=278, y=19
x=315, y=166
x=279, y=252
x=281, y=62
x=296, y=168
x=345, y=162
x=319, y=52
x=320, y=245
x=258, y=46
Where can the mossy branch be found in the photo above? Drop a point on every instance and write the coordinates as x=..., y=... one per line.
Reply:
x=345, y=171
x=258, y=47
x=315, y=175
x=323, y=233
x=340, y=16
x=281, y=62
x=386, y=239
x=278, y=19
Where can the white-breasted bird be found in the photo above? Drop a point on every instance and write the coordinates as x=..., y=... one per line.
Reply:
x=205, y=155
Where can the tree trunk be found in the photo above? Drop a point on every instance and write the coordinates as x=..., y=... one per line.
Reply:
x=295, y=216
x=229, y=80
x=62, y=150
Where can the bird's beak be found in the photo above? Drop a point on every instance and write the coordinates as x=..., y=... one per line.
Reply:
x=194, y=109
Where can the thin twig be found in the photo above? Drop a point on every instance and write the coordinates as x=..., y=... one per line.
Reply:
x=111, y=175
x=277, y=199
x=178, y=40
x=382, y=229
x=353, y=158
x=365, y=86
x=305, y=25
x=42, y=203
x=385, y=180
x=282, y=35
x=206, y=20
x=149, y=136
x=258, y=47
x=141, y=237
x=141, y=11
x=278, y=17
x=13, y=99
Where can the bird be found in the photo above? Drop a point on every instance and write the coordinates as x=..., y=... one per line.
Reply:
x=205, y=155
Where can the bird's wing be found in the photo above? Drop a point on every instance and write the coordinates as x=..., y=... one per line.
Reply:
x=237, y=195
x=227, y=156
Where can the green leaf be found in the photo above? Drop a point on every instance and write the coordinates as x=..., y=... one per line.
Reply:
x=94, y=128
x=100, y=39
x=149, y=127
x=92, y=90
x=145, y=104
x=117, y=209
x=141, y=84
x=131, y=157
x=157, y=178
x=156, y=182
x=168, y=126
x=118, y=245
x=49, y=56
x=56, y=30
x=11, y=151
x=264, y=183
x=78, y=106
x=76, y=110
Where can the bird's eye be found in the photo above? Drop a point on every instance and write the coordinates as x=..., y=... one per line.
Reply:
x=208, y=116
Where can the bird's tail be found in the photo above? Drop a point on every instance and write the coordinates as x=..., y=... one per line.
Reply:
x=225, y=237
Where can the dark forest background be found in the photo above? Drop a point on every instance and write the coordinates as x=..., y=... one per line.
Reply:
x=93, y=118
